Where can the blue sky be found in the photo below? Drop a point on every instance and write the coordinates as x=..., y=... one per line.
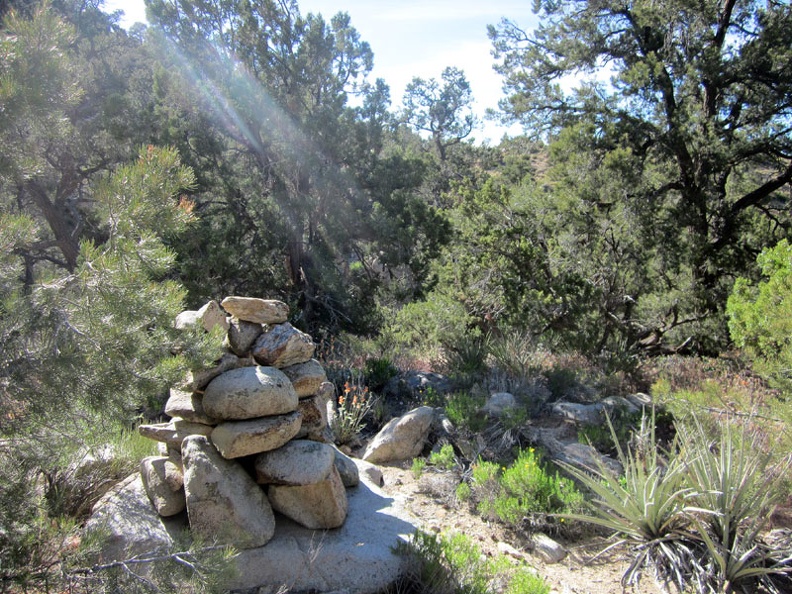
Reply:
x=417, y=38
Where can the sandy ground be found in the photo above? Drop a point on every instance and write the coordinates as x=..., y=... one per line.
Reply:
x=582, y=571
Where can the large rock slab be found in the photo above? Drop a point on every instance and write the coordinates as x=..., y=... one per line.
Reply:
x=299, y=462
x=259, y=311
x=402, y=438
x=307, y=378
x=357, y=557
x=320, y=506
x=248, y=393
x=163, y=481
x=235, y=439
x=188, y=406
x=129, y=524
x=282, y=346
x=224, y=504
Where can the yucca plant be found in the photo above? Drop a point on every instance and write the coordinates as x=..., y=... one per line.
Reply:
x=647, y=505
x=735, y=491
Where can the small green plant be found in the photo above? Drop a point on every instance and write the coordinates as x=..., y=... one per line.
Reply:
x=445, y=458
x=462, y=409
x=347, y=421
x=526, y=581
x=463, y=491
x=523, y=489
x=516, y=352
x=417, y=468
x=378, y=371
x=467, y=359
x=429, y=396
x=453, y=564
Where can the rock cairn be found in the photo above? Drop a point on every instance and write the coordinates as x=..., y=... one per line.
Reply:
x=249, y=435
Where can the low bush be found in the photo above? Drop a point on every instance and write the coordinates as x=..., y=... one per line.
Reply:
x=453, y=564
x=462, y=409
x=525, y=490
x=445, y=459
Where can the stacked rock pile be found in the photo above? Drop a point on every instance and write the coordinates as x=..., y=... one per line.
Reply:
x=249, y=435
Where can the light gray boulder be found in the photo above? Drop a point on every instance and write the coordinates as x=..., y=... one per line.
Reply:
x=235, y=439
x=499, y=404
x=163, y=481
x=299, y=462
x=209, y=316
x=283, y=346
x=402, y=438
x=320, y=506
x=248, y=393
x=129, y=524
x=547, y=548
x=583, y=414
x=306, y=377
x=241, y=336
x=174, y=432
x=258, y=311
x=224, y=504
x=188, y=406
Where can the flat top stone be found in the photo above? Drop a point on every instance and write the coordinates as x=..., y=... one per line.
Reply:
x=259, y=311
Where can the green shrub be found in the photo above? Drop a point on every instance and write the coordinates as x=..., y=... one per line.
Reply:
x=523, y=489
x=453, y=564
x=445, y=458
x=467, y=360
x=516, y=353
x=760, y=316
x=378, y=371
x=462, y=409
x=463, y=491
